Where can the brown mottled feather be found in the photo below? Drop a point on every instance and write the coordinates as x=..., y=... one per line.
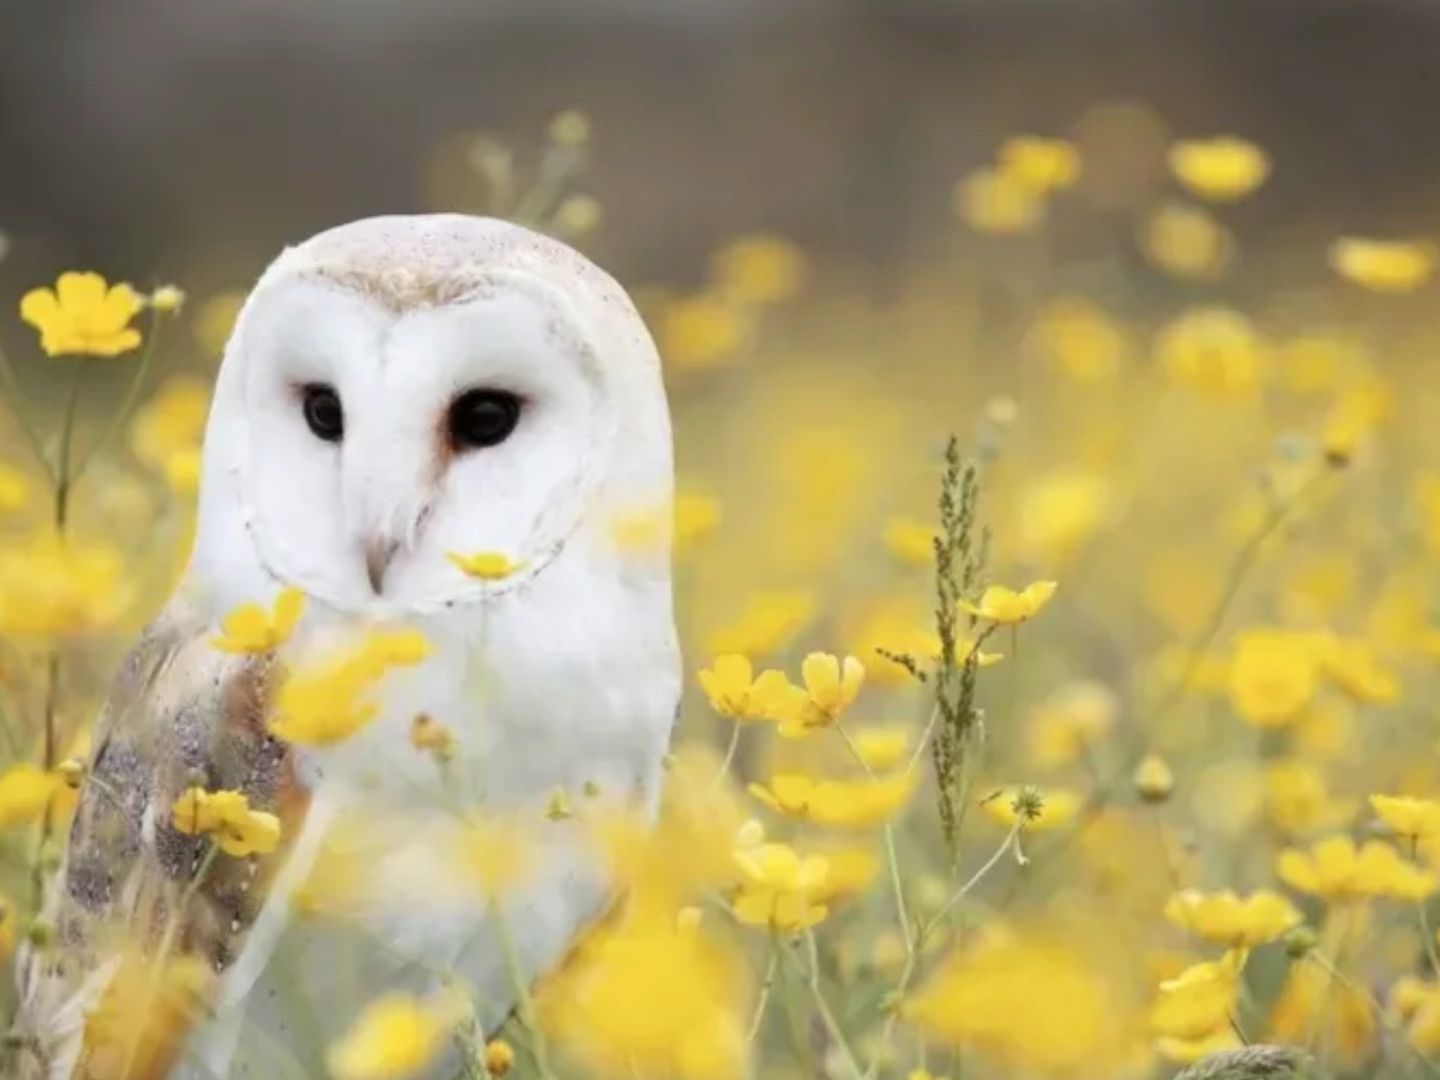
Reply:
x=179, y=713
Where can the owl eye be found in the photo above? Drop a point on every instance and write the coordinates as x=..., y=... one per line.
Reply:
x=323, y=413
x=481, y=418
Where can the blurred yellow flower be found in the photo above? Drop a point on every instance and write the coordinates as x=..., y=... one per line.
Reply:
x=1200, y=1000
x=1058, y=512
x=570, y=128
x=226, y=817
x=1223, y=168
x=215, y=318
x=83, y=316
x=15, y=489
x=1384, y=266
x=252, y=629
x=1187, y=242
x=167, y=299
x=1235, y=922
x=778, y=887
x=767, y=622
x=496, y=853
x=759, y=269
x=1335, y=870
x=25, y=792
x=992, y=201
x=702, y=331
x=881, y=748
x=147, y=1008
x=394, y=1038
x=846, y=803
x=1031, y=1005
x=687, y=521
x=1297, y=801
x=328, y=702
x=1080, y=339
x=1074, y=718
x=1351, y=664
x=1038, y=163
x=911, y=541
x=693, y=1023
x=171, y=424
x=1033, y=808
x=1408, y=817
x=735, y=692
x=1213, y=351
x=1153, y=779
x=1004, y=605
x=50, y=588
x=484, y=565
x=1313, y=1001
x=1273, y=675
x=499, y=1057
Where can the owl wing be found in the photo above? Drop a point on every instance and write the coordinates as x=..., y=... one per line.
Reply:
x=132, y=892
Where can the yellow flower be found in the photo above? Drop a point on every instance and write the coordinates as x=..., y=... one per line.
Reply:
x=147, y=1008
x=702, y=331
x=1200, y=1000
x=853, y=803
x=485, y=565
x=693, y=1025
x=1030, y=1004
x=1384, y=266
x=1080, y=339
x=734, y=693
x=1313, y=1001
x=1034, y=809
x=1187, y=242
x=759, y=269
x=911, y=541
x=15, y=489
x=170, y=423
x=499, y=1057
x=1075, y=718
x=1153, y=779
x=767, y=622
x=881, y=748
x=1059, y=512
x=50, y=588
x=1273, y=675
x=830, y=687
x=1335, y=870
x=1229, y=920
x=1214, y=351
x=1003, y=605
x=167, y=299
x=226, y=816
x=687, y=522
x=1351, y=665
x=778, y=887
x=432, y=737
x=252, y=629
x=1039, y=164
x=1415, y=819
x=83, y=316
x=330, y=702
x=1297, y=801
x=395, y=1038
x=991, y=201
x=497, y=853
x=25, y=792
x=1223, y=168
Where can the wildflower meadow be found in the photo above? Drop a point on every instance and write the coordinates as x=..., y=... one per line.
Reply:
x=1061, y=637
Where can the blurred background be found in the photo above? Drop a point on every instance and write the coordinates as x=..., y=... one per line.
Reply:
x=192, y=138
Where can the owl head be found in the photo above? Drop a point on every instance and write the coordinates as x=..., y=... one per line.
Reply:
x=401, y=389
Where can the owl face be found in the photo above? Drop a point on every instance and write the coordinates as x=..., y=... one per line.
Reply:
x=381, y=441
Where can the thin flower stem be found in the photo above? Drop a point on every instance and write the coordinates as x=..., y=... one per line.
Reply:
x=763, y=1001
x=524, y=1004
x=902, y=913
x=1381, y=1015
x=559, y=165
x=22, y=411
x=729, y=760
x=121, y=415
x=827, y=1017
x=1428, y=938
x=912, y=955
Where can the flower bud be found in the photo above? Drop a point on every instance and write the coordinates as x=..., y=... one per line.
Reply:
x=1153, y=779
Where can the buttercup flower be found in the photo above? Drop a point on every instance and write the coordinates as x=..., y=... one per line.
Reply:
x=778, y=887
x=394, y=1038
x=226, y=816
x=83, y=316
x=1335, y=870
x=485, y=565
x=328, y=702
x=734, y=692
x=835, y=802
x=1273, y=676
x=1232, y=921
x=1034, y=809
x=1038, y=163
x=830, y=687
x=1002, y=605
x=1200, y=1000
x=1414, y=819
x=1384, y=266
x=1213, y=351
x=25, y=791
x=759, y=269
x=1223, y=168
x=992, y=201
x=252, y=629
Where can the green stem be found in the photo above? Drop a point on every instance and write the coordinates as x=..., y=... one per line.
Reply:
x=63, y=478
x=22, y=410
x=121, y=416
x=524, y=1004
x=902, y=912
x=729, y=758
x=764, y=1000
x=827, y=1016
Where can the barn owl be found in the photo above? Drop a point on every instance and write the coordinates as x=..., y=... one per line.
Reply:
x=395, y=391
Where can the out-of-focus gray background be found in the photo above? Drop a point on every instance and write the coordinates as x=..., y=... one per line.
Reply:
x=190, y=139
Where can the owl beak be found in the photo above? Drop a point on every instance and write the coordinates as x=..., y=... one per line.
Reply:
x=378, y=553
